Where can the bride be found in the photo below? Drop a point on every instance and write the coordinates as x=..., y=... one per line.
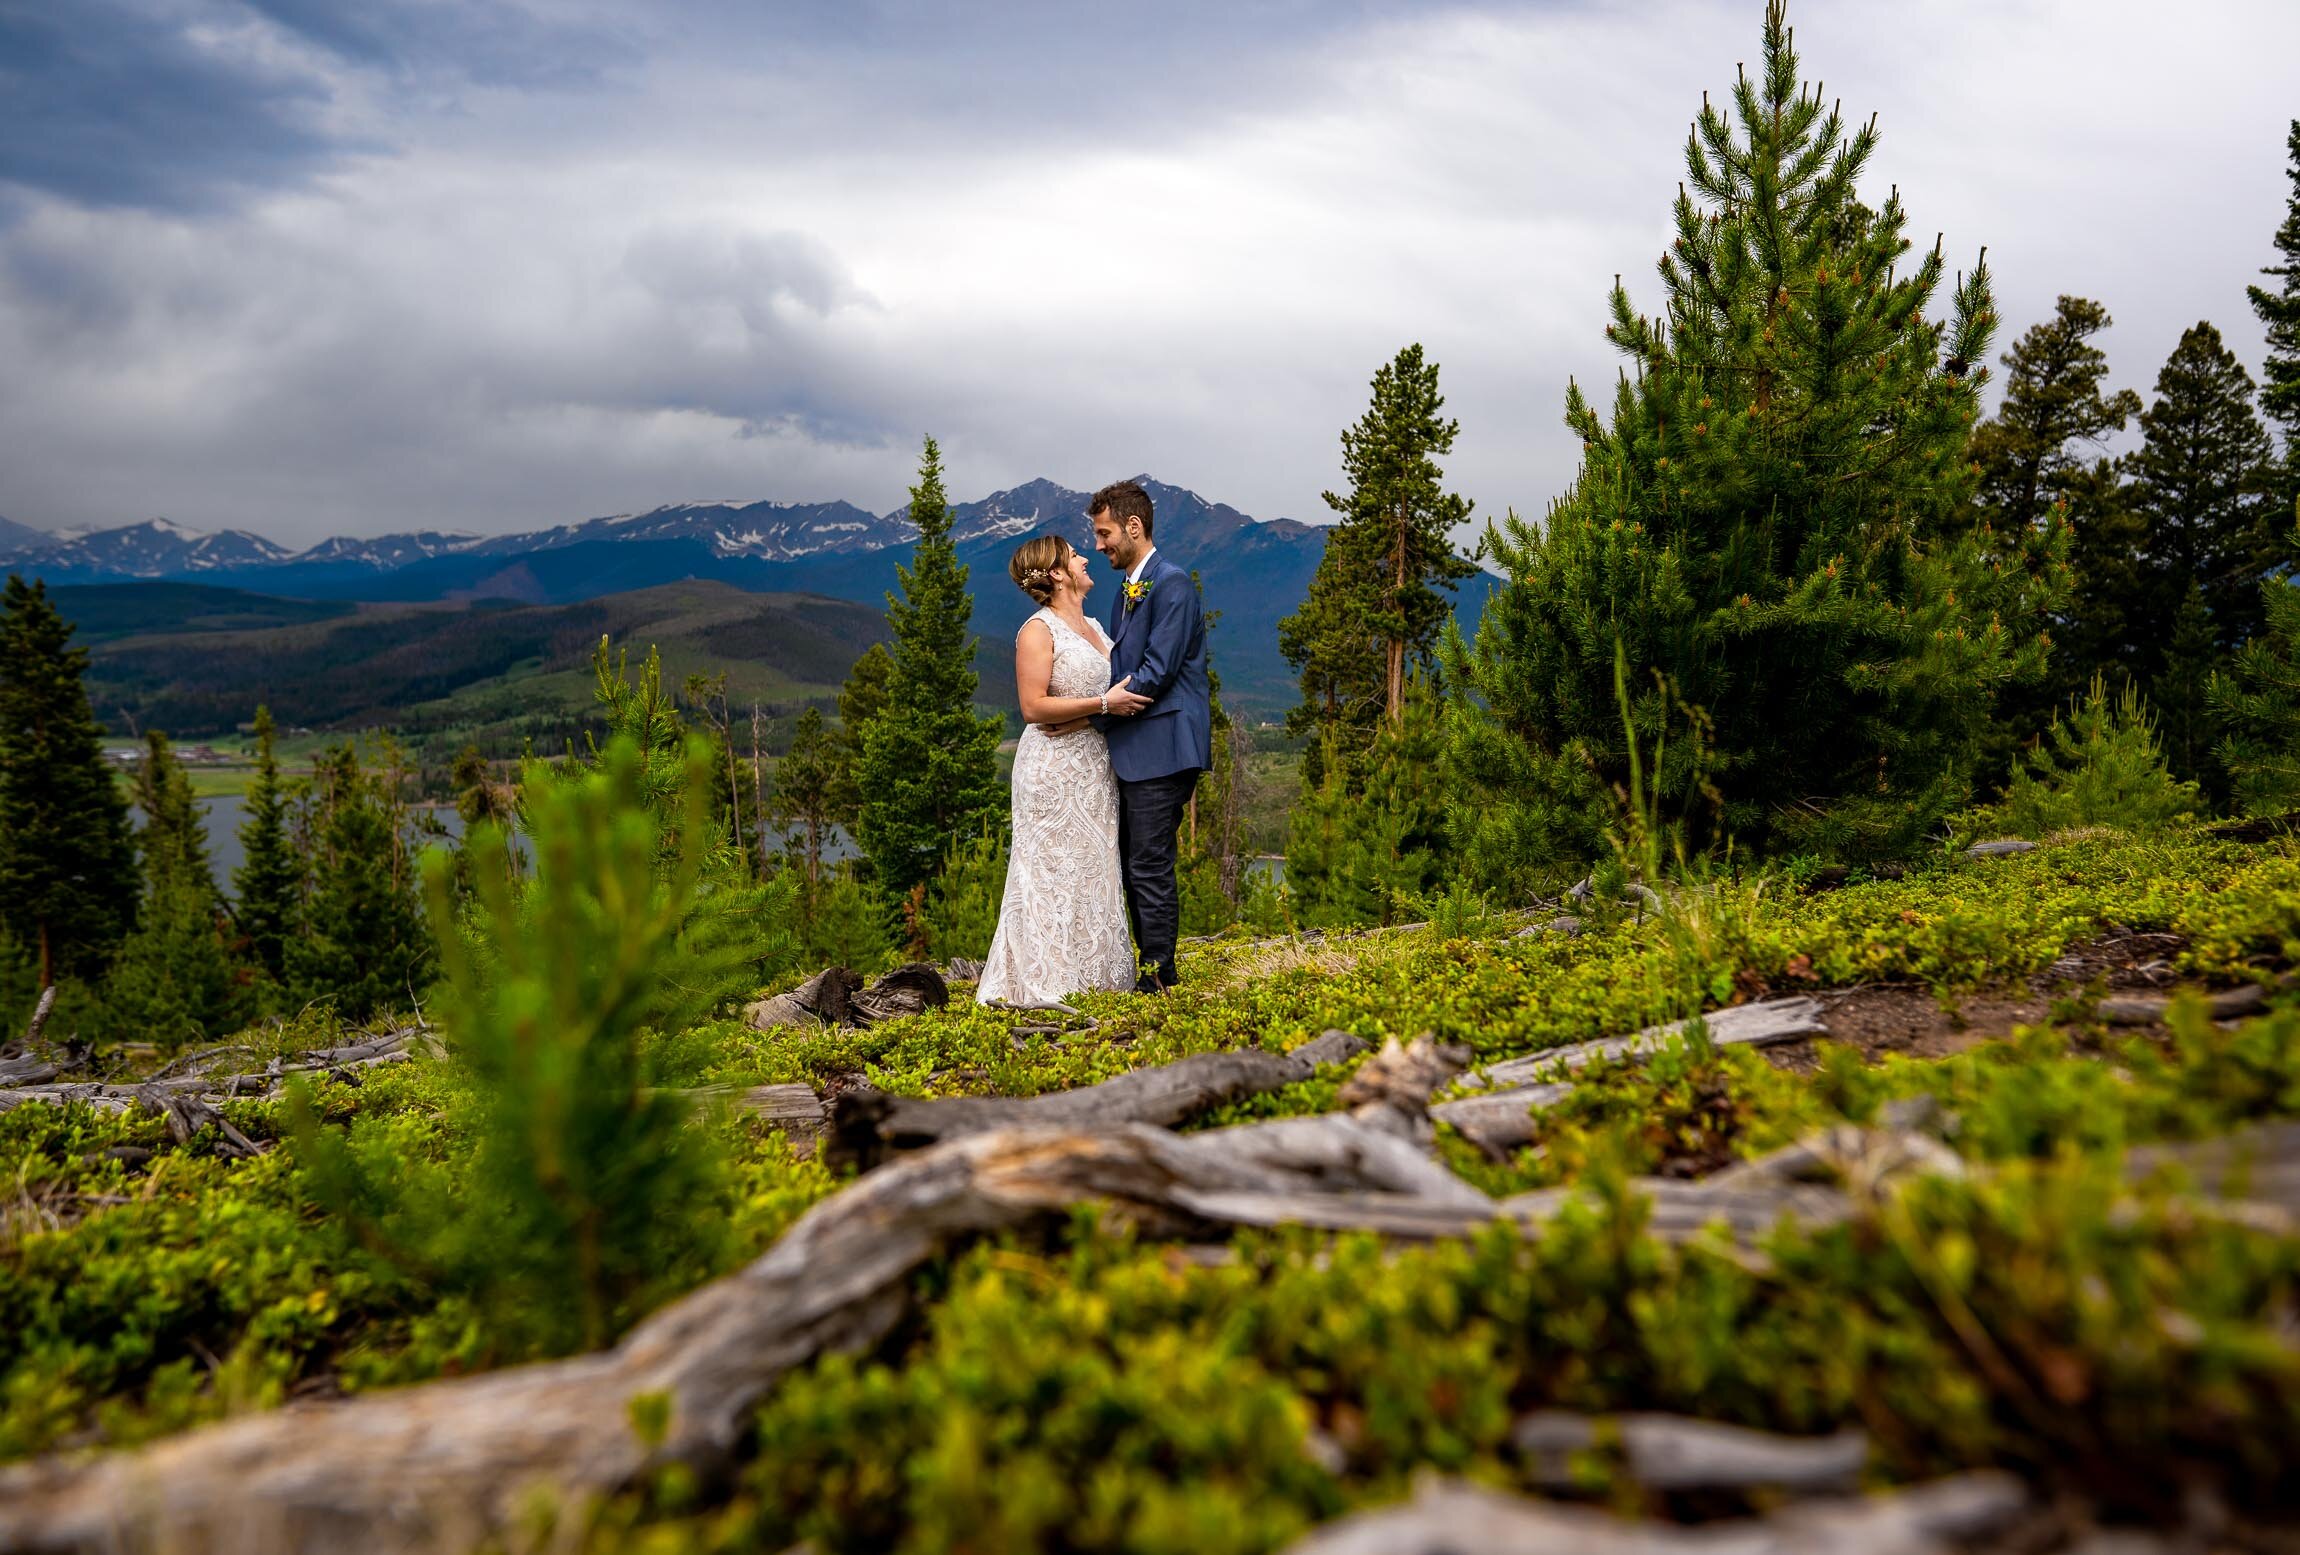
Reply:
x=1062, y=925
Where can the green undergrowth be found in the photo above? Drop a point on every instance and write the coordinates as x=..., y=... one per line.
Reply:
x=1085, y=1392
x=2048, y=1091
x=140, y=1296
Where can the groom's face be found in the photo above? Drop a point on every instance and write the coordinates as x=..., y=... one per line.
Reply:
x=1120, y=543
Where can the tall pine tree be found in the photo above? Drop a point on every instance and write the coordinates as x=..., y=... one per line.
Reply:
x=1377, y=591
x=2257, y=704
x=929, y=767
x=363, y=945
x=1778, y=520
x=269, y=881
x=2042, y=462
x=2200, y=482
x=2279, y=311
x=803, y=795
x=67, y=867
x=174, y=980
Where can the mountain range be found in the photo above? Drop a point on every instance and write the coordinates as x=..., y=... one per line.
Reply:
x=1254, y=572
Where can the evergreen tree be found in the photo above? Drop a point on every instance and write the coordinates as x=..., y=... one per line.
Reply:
x=67, y=867
x=2101, y=766
x=269, y=880
x=1373, y=830
x=1333, y=653
x=929, y=767
x=2279, y=312
x=2200, y=481
x=2041, y=463
x=2257, y=703
x=1778, y=521
x=2182, y=688
x=2053, y=401
x=174, y=980
x=804, y=793
x=861, y=699
x=362, y=943
x=1374, y=610
x=1212, y=864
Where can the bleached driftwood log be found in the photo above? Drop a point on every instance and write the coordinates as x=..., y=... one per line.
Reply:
x=2148, y=1009
x=1755, y=1025
x=1451, y=1517
x=867, y=1126
x=1674, y=1452
x=445, y=1465
x=209, y=1088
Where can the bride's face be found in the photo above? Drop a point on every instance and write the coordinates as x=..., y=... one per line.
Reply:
x=1079, y=578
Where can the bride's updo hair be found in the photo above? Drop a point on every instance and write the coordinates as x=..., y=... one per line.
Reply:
x=1035, y=562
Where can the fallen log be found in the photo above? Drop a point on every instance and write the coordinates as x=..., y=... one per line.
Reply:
x=1753, y=1025
x=836, y=996
x=2148, y=1009
x=867, y=1126
x=1672, y=1453
x=209, y=1089
x=450, y=1464
x=1499, y=1122
x=1452, y=1517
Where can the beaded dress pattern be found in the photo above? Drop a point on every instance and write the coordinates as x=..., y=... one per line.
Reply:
x=1062, y=924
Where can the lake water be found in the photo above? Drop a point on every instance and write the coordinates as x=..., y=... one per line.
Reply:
x=223, y=815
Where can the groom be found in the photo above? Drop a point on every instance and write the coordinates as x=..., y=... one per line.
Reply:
x=1157, y=636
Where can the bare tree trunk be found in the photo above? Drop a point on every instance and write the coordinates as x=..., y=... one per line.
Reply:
x=759, y=795
x=1396, y=645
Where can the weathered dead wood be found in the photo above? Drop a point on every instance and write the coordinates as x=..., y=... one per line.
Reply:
x=2253, y=1174
x=208, y=1089
x=867, y=1125
x=1499, y=1122
x=2003, y=847
x=447, y=1464
x=40, y=1013
x=1678, y=1211
x=1452, y=1517
x=795, y=1109
x=836, y=996
x=187, y=1115
x=2148, y=1009
x=1392, y=1090
x=1754, y=1025
x=1673, y=1452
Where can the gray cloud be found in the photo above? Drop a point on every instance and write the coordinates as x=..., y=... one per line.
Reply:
x=122, y=104
x=571, y=258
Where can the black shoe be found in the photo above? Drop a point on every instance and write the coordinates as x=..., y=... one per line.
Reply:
x=1147, y=984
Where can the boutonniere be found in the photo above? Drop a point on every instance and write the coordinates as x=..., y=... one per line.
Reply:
x=1136, y=592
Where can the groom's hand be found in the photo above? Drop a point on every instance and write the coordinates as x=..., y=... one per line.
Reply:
x=1124, y=703
x=1068, y=726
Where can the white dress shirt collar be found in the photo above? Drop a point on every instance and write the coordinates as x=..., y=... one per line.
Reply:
x=1135, y=576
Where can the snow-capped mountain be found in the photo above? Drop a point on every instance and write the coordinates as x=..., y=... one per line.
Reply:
x=385, y=552
x=770, y=531
x=156, y=548
x=22, y=537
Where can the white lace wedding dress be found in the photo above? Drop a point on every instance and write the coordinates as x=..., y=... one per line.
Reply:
x=1062, y=926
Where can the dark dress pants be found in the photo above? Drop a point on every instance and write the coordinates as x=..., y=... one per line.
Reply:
x=1149, y=815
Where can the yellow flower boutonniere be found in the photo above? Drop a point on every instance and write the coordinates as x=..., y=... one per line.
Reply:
x=1136, y=592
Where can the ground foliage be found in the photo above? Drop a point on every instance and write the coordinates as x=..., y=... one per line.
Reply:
x=140, y=1296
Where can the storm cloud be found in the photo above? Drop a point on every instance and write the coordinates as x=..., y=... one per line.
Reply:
x=309, y=268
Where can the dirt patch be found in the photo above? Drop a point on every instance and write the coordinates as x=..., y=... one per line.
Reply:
x=1910, y=1019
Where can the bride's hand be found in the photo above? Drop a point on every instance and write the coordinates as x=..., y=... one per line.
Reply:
x=1068, y=726
x=1126, y=703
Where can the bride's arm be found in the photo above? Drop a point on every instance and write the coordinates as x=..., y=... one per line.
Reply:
x=1033, y=669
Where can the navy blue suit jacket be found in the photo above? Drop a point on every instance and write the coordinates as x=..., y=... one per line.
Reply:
x=1161, y=643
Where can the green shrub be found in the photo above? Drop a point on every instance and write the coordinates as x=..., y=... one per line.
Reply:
x=963, y=902
x=570, y=1215
x=2102, y=766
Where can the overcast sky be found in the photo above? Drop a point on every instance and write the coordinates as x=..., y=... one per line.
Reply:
x=350, y=266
